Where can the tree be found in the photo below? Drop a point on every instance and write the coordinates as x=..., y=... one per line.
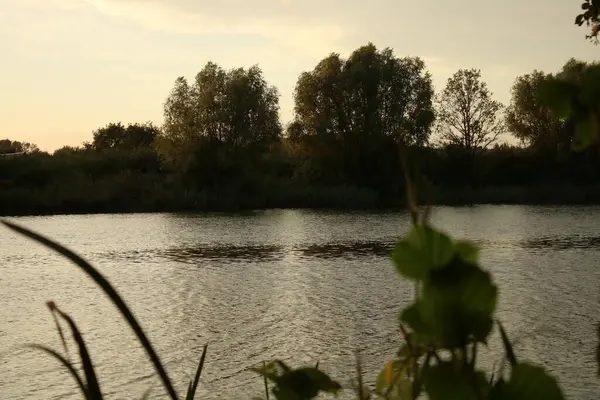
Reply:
x=529, y=121
x=467, y=115
x=8, y=146
x=223, y=122
x=117, y=136
x=351, y=113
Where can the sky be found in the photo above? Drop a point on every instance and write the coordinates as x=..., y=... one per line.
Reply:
x=68, y=67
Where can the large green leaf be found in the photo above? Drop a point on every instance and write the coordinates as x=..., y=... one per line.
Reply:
x=557, y=95
x=421, y=251
x=531, y=382
x=457, y=304
x=411, y=316
x=446, y=382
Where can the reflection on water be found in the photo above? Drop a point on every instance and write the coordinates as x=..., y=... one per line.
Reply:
x=349, y=249
x=296, y=285
x=228, y=252
x=562, y=242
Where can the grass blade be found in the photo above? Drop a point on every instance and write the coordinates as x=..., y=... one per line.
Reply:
x=110, y=292
x=510, y=354
x=598, y=350
x=65, y=363
x=359, y=374
x=192, y=388
x=61, y=334
x=265, y=381
x=93, y=388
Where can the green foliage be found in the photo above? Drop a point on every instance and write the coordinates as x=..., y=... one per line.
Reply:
x=422, y=251
x=447, y=382
x=527, y=382
x=458, y=298
x=590, y=17
x=574, y=95
x=526, y=118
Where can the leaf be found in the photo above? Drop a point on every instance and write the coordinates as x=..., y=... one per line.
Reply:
x=531, y=382
x=586, y=132
x=557, y=95
x=266, y=383
x=467, y=251
x=510, y=354
x=423, y=249
x=579, y=20
x=110, y=292
x=91, y=381
x=457, y=304
x=193, y=386
x=411, y=316
x=445, y=382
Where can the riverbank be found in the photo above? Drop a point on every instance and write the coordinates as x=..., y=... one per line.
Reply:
x=148, y=196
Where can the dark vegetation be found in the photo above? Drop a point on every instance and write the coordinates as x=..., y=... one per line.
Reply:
x=222, y=146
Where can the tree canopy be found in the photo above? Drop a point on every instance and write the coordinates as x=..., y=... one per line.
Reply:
x=467, y=115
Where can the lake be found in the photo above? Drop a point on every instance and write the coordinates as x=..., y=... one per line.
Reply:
x=302, y=286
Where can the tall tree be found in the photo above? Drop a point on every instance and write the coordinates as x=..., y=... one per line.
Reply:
x=528, y=120
x=351, y=112
x=467, y=115
x=224, y=119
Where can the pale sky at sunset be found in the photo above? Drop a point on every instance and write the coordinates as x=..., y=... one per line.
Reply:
x=68, y=67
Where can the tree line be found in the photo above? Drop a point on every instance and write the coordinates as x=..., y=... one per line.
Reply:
x=356, y=120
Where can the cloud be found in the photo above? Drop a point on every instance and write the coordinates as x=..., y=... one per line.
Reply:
x=287, y=22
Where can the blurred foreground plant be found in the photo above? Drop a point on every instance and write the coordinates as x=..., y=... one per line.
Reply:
x=89, y=383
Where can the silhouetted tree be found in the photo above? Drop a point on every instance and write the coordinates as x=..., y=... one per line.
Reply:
x=467, y=115
x=217, y=128
x=117, y=136
x=530, y=122
x=350, y=113
x=8, y=146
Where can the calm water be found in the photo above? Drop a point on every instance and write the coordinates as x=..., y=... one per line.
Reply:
x=297, y=285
